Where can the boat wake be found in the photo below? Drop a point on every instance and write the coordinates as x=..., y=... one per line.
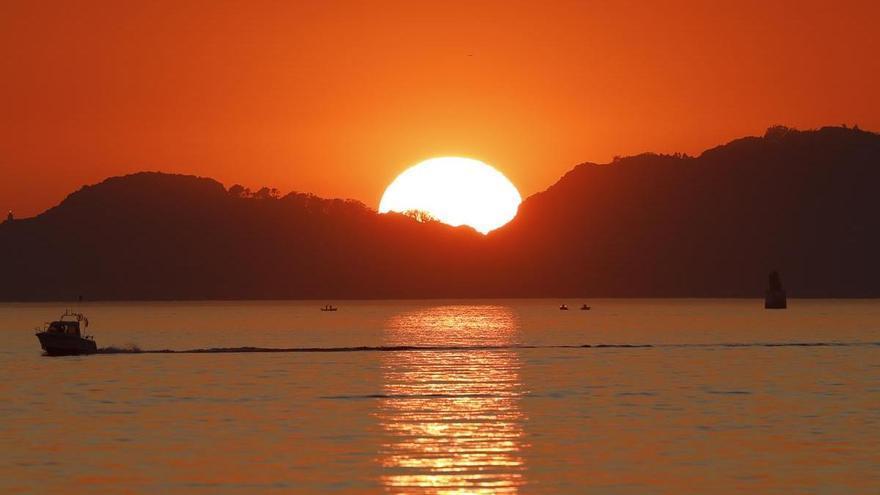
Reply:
x=413, y=348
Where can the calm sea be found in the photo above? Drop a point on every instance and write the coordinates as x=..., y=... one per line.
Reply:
x=721, y=397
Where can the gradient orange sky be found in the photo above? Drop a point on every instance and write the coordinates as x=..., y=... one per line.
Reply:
x=337, y=98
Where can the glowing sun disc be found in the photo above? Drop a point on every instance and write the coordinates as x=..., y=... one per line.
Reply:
x=456, y=191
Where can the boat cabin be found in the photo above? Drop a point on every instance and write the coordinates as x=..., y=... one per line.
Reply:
x=67, y=327
x=68, y=324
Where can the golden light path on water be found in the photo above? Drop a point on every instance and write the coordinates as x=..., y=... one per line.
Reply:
x=452, y=418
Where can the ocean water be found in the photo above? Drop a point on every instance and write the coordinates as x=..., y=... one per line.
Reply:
x=476, y=396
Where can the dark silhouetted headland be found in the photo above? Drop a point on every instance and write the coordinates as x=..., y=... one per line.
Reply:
x=802, y=202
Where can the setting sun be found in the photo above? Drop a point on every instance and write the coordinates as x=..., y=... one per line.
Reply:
x=456, y=191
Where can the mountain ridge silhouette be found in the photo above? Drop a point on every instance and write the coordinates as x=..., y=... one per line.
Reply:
x=649, y=225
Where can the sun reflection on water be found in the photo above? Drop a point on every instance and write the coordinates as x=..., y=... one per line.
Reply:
x=452, y=418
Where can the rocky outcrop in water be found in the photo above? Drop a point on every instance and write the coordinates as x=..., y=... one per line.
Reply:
x=774, y=297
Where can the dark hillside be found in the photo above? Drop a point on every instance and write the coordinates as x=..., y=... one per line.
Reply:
x=802, y=202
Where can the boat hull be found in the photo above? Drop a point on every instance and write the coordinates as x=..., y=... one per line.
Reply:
x=66, y=345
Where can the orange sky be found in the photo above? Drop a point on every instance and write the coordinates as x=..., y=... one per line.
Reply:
x=336, y=98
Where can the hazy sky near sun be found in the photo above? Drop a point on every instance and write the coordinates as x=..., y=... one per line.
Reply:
x=338, y=97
